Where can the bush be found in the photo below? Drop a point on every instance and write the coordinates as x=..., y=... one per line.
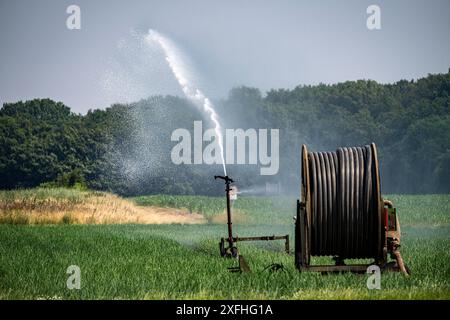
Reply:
x=74, y=180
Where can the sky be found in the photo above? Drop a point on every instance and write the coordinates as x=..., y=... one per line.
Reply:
x=263, y=44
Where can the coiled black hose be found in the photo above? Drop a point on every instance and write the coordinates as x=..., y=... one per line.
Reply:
x=345, y=216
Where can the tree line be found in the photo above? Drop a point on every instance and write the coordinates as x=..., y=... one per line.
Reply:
x=126, y=148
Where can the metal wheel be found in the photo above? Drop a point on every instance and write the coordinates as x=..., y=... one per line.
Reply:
x=223, y=252
x=234, y=252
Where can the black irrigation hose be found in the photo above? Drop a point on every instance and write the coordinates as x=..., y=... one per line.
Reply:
x=344, y=202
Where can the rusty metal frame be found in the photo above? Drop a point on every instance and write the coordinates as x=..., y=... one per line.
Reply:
x=261, y=238
x=232, y=250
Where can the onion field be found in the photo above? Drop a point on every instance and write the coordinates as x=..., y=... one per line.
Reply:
x=179, y=261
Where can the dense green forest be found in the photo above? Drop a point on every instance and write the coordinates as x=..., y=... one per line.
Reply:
x=126, y=148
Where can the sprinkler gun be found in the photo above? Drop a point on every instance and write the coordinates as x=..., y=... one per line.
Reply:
x=226, y=178
x=231, y=248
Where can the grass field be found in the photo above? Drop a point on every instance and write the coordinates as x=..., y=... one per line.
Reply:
x=135, y=261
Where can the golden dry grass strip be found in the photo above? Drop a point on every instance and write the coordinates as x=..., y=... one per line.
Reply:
x=84, y=207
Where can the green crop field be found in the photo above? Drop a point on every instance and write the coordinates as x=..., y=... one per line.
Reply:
x=131, y=261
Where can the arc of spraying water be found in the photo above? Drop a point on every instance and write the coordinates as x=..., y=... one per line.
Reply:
x=194, y=94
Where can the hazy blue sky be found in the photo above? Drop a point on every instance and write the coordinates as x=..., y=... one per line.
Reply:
x=266, y=44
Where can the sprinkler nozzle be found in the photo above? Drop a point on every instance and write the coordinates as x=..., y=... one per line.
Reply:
x=226, y=178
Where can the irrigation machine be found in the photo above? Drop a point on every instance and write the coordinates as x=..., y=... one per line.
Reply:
x=340, y=214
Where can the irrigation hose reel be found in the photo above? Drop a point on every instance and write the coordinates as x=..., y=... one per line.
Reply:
x=341, y=212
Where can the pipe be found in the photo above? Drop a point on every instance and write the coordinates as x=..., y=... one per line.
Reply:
x=228, y=181
x=388, y=203
x=400, y=263
x=229, y=223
